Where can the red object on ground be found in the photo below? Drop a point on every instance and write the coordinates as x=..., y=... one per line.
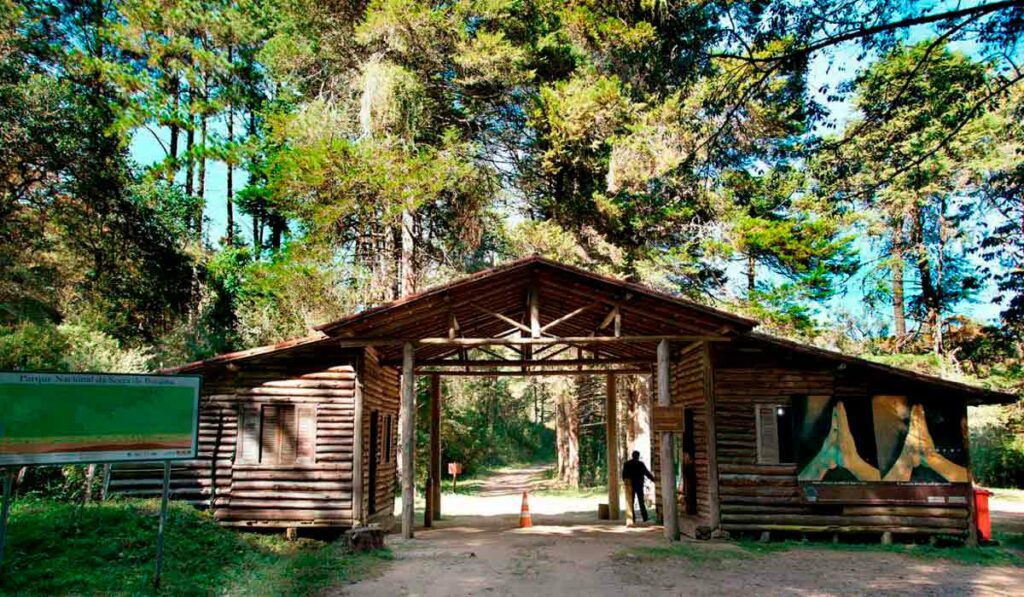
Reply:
x=981, y=515
x=525, y=521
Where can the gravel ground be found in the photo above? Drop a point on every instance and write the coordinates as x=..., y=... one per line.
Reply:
x=568, y=553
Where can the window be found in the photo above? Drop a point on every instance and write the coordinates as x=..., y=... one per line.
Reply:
x=774, y=434
x=387, y=438
x=277, y=434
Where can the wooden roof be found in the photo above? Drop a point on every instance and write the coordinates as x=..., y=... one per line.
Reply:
x=472, y=302
x=570, y=303
x=972, y=394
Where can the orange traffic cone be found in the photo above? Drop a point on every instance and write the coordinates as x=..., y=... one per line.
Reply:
x=524, y=514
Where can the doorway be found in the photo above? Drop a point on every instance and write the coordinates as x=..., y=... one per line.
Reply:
x=374, y=458
x=689, y=463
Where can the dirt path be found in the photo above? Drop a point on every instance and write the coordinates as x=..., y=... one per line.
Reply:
x=568, y=552
x=515, y=481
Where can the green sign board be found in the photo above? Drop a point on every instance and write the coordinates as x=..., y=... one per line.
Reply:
x=65, y=418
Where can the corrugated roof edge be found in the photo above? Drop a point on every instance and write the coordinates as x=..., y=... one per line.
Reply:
x=987, y=395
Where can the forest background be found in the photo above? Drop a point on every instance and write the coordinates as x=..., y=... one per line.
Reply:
x=180, y=178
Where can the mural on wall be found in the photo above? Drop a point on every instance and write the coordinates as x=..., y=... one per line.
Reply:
x=890, y=439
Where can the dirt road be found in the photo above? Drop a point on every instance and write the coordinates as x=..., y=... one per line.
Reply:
x=570, y=553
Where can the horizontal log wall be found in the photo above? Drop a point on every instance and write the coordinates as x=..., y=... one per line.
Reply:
x=760, y=497
x=315, y=493
x=688, y=391
x=380, y=393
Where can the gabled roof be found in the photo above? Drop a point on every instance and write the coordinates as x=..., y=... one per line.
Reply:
x=472, y=301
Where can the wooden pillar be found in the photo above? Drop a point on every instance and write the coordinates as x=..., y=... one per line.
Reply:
x=407, y=417
x=435, y=446
x=972, y=529
x=612, y=435
x=710, y=427
x=668, y=471
x=357, y=448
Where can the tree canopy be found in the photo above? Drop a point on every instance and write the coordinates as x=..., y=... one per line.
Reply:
x=785, y=159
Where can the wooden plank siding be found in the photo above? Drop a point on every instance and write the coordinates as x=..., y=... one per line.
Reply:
x=380, y=394
x=687, y=379
x=314, y=486
x=766, y=497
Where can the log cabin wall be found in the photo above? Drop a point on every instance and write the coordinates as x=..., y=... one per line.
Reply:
x=380, y=393
x=757, y=497
x=688, y=383
x=292, y=464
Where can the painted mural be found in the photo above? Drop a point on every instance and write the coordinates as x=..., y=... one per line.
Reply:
x=889, y=439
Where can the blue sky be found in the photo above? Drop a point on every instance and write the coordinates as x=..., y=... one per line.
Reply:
x=828, y=68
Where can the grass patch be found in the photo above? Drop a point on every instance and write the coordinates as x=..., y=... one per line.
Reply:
x=696, y=553
x=56, y=548
x=571, y=492
x=1007, y=553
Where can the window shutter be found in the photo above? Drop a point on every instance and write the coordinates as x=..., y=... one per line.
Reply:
x=306, y=440
x=767, y=435
x=270, y=437
x=287, y=435
x=248, y=445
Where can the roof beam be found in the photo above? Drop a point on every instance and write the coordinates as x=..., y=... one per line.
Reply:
x=537, y=373
x=577, y=340
x=514, y=363
x=569, y=316
x=504, y=318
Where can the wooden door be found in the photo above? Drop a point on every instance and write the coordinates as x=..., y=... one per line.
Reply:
x=374, y=458
x=689, y=463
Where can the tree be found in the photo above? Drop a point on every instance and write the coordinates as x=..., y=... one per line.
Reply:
x=915, y=97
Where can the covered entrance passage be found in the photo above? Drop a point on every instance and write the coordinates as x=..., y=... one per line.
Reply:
x=534, y=318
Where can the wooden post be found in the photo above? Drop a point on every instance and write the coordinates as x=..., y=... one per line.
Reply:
x=668, y=471
x=90, y=476
x=612, y=435
x=358, y=517
x=435, y=445
x=163, y=523
x=972, y=528
x=5, y=511
x=105, y=490
x=712, y=437
x=407, y=416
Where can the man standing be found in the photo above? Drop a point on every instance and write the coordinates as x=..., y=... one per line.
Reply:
x=634, y=472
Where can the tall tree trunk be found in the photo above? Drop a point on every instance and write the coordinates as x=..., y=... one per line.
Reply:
x=257, y=224
x=929, y=288
x=899, y=318
x=567, y=426
x=408, y=265
x=230, y=192
x=201, y=191
x=751, y=277
x=190, y=141
x=173, y=128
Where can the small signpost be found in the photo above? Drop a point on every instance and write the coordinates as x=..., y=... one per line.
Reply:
x=667, y=418
x=78, y=418
x=454, y=469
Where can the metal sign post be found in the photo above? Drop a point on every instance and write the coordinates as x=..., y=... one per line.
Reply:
x=163, y=523
x=4, y=512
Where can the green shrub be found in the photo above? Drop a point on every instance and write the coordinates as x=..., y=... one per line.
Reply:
x=109, y=548
x=32, y=346
x=67, y=347
x=997, y=456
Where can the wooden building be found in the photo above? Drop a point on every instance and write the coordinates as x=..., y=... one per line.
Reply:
x=752, y=433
